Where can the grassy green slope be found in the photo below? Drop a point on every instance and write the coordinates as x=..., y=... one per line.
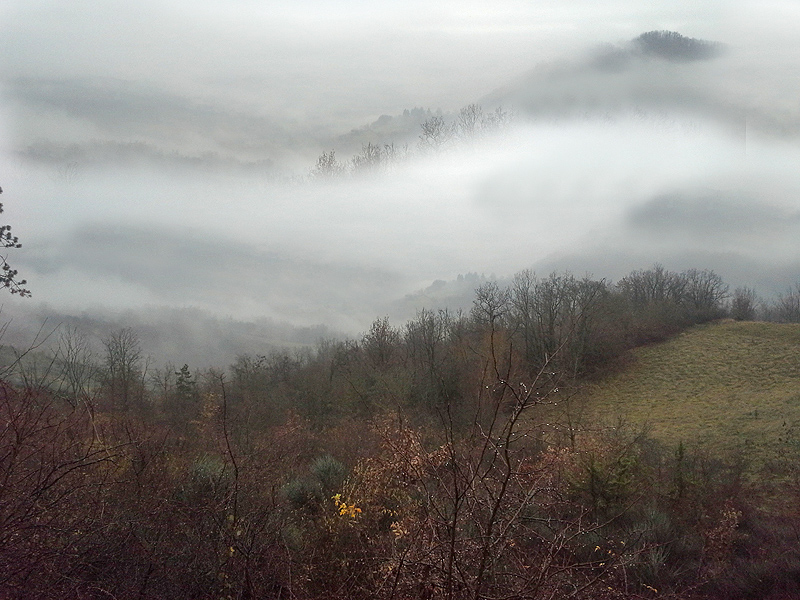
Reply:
x=723, y=386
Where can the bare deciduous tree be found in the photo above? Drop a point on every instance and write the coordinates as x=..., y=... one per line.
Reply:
x=369, y=160
x=381, y=343
x=327, y=167
x=704, y=291
x=654, y=285
x=78, y=362
x=491, y=304
x=787, y=306
x=470, y=121
x=743, y=304
x=436, y=134
x=124, y=372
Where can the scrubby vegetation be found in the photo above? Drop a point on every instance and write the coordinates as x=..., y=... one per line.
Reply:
x=456, y=456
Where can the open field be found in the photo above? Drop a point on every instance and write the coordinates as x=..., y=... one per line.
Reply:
x=724, y=386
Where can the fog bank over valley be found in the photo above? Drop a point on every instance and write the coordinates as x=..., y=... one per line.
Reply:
x=173, y=170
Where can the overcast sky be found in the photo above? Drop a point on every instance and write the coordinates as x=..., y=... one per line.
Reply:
x=145, y=148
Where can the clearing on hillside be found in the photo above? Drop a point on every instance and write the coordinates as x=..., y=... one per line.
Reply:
x=723, y=387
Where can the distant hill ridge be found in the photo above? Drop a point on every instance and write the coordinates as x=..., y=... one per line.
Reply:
x=671, y=45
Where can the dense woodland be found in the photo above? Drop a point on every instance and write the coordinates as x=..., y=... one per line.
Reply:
x=410, y=463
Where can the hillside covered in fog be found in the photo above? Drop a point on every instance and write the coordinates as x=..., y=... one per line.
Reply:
x=356, y=301
x=192, y=182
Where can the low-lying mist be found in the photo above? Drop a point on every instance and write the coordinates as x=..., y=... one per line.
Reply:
x=128, y=193
x=605, y=196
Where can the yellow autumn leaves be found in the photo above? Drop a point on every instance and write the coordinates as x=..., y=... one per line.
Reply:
x=345, y=509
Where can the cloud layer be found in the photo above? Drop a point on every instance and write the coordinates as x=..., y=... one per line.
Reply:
x=153, y=154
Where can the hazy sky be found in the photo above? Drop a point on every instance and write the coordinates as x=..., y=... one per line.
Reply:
x=142, y=145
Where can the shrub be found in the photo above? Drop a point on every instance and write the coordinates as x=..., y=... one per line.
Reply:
x=329, y=472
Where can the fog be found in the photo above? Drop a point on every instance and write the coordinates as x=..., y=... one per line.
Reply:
x=158, y=155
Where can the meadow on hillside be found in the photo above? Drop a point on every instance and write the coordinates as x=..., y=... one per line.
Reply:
x=722, y=386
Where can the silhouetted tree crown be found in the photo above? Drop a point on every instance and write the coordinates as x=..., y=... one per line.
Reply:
x=8, y=276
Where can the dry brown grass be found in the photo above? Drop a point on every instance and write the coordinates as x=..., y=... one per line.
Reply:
x=724, y=386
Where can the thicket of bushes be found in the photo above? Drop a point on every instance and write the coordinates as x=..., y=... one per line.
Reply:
x=407, y=464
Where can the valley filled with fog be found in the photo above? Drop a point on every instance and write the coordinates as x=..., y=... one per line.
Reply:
x=162, y=162
x=388, y=300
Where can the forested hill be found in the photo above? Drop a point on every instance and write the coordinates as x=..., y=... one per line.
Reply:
x=518, y=434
